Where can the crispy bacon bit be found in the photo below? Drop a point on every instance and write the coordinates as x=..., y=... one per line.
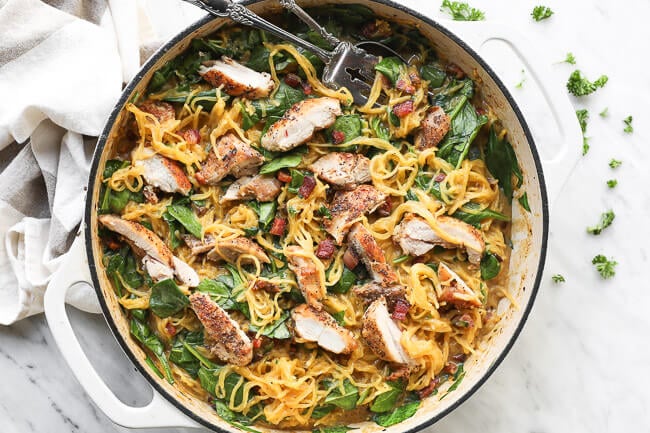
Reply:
x=191, y=136
x=425, y=392
x=113, y=244
x=450, y=367
x=292, y=80
x=402, y=372
x=283, y=176
x=306, y=88
x=415, y=78
x=403, y=109
x=454, y=69
x=405, y=86
x=266, y=286
x=257, y=343
x=350, y=259
x=462, y=321
x=171, y=329
x=325, y=249
x=385, y=82
x=385, y=208
x=149, y=194
x=279, y=226
x=338, y=137
x=459, y=357
x=440, y=177
x=307, y=187
x=400, y=309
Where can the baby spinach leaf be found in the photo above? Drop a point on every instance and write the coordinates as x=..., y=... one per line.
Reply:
x=346, y=399
x=277, y=330
x=472, y=213
x=219, y=292
x=111, y=166
x=433, y=74
x=349, y=125
x=427, y=184
x=143, y=334
x=266, y=214
x=208, y=379
x=502, y=162
x=387, y=400
x=523, y=201
x=288, y=161
x=183, y=357
x=259, y=60
x=390, y=67
x=398, y=415
x=174, y=228
x=490, y=266
x=321, y=411
x=458, y=378
x=339, y=317
x=167, y=299
x=185, y=216
x=465, y=125
x=380, y=129
x=297, y=177
x=343, y=285
x=233, y=418
x=332, y=429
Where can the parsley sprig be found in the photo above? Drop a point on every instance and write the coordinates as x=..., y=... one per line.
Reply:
x=583, y=118
x=605, y=267
x=558, y=278
x=628, y=125
x=606, y=220
x=461, y=11
x=540, y=13
x=579, y=85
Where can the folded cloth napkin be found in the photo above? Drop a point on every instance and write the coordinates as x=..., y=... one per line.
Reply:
x=62, y=67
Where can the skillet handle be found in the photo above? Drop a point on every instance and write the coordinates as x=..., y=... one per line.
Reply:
x=557, y=167
x=158, y=413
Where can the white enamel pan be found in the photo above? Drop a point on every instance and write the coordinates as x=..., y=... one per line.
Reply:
x=461, y=42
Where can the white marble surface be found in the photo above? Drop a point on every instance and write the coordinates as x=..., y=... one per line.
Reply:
x=581, y=363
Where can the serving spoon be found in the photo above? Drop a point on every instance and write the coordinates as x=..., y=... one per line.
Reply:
x=346, y=65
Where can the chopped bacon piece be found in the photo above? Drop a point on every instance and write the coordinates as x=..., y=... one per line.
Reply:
x=385, y=209
x=350, y=259
x=307, y=187
x=338, y=137
x=292, y=80
x=440, y=177
x=191, y=136
x=279, y=226
x=113, y=244
x=454, y=69
x=405, y=86
x=459, y=357
x=425, y=392
x=306, y=87
x=283, y=176
x=325, y=249
x=266, y=286
x=400, y=309
x=171, y=329
x=403, y=109
x=402, y=372
x=450, y=367
x=257, y=343
x=415, y=78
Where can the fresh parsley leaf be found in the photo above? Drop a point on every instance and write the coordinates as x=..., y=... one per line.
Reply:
x=570, y=59
x=606, y=268
x=585, y=145
x=628, y=125
x=606, y=219
x=612, y=183
x=604, y=113
x=557, y=278
x=615, y=163
x=461, y=11
x=583, y=118
x=541, y=13
x=579, y=85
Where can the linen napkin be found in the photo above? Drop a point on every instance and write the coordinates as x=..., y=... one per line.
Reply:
x=62, y=67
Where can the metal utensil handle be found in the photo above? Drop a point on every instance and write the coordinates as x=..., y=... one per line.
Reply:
x=292, y=6
x=157, y=413
x=242, y=15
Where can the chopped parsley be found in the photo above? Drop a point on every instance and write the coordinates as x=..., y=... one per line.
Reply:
x=570, y=59
x=606, y=219
x=604, y=267
x=612, y=183
x=579, y=85
x=615, y=163
x=628, y=125
x=541, y=13
x=583, y=118
x=461, y=11
x=557, y=278
x=604, y=113
x=324, y=211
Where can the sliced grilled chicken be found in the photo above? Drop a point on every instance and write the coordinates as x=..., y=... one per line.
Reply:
x=165, y=174
x=348, y=207
x=157, y=258
x=416, y=237
x=370, y=292
x=230, y=250
x=435, y=126
x=343, y=170
x=224, y=337
x=260, y=187
x=230, y=156
x=382, y=334
x=364, y=246
x=318, y=326
x=309, y=279
x=300, y=122
x=163, y=111
x=237, y=79
x=198, y=246
x=455, y=290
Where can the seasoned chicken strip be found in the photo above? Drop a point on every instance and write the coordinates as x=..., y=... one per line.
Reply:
x=318, y=326
x=382, y=335
x=224, y=337
x=157, y=258
x=349, y=206
x=198, y=246
x=309, y=278
x=300, y=122
x=435, y=126
x=364, y=246
x=260, y=187
x=416, y=237
x=230, y=250
x=237, y=79
x=230, y=156
x=164, y=173
x=455, y=290
x=163, y=111
x=372, y=291
x=343, y=170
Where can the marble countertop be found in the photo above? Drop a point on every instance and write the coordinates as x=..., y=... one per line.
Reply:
x=580, y=364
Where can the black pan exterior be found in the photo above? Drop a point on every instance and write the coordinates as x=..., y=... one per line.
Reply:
x=95, y=175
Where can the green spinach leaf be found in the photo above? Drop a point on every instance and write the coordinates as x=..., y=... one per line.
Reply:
x=343, y=285
x=143, y=334
x=490, y=266
x=433, y=74
x=391, y=67
x=387, y=400
x=472, y=213
x=287, y=161
x=465, y=125
x=346, y=399
x=349, y=125
x=398, y=415
x=185, y=216
x=277, y=330
x=167, y=299
x=502, y=162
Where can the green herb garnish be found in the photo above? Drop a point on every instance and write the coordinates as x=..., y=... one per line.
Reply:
x=628, y=125
x=612, y=183
x=604, y=267
x=461, y=11
x=606, y=219
x=579, y=85
x=557, y=278
x=541, y=13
